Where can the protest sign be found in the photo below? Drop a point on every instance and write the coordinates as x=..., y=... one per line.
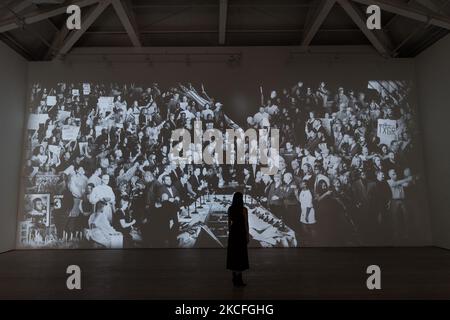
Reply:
x=51, y=101
x=35, y=119
x=86, y=89
x=387, y=130
x=70, y=132
x=105, y=104
x=63, y=115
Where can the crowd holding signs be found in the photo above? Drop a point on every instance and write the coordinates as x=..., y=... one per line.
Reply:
x=348, y=171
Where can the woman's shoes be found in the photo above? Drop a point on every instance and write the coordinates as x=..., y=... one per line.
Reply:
x=237, y=281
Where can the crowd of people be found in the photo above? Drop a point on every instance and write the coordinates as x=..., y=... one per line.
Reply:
x=335, y=185
x=338, y=184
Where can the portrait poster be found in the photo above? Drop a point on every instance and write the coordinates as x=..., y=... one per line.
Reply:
x=37, y=208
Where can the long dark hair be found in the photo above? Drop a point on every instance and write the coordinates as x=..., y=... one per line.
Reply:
x=238, y=200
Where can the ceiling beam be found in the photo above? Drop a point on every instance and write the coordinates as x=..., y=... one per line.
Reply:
x=430, y=5
x=223, y=13
x=126, y=16
x=74, y=36
x=321, y=12
x=40, y=15
x=57, y=42
x=200, y=30
x=12, y=10
x=360, y=20
x=402, y=9
x=93, y=51
x=13, y=44
x=394, y=17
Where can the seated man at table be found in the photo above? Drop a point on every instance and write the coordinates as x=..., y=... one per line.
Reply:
x=275, y=196
x=185, y=189
x=212, y=180
x=267, y=182
x=197, y=182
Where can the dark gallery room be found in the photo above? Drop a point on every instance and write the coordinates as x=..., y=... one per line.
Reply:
x=224, y=158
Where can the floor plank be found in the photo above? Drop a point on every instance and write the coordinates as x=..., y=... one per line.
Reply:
x=304, y=273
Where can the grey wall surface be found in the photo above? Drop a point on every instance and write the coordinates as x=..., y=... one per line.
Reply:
x=13, y=88
x=433, y=78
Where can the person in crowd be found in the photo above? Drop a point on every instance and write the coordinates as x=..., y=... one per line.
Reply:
x=307, y=213
x=398, y=212
x=360, y=194
x=197, y=181
x=169, y=206
x=105, y=193
x=379, y=196
x=77, y=186
x=100, y=229
x=86, y=208
x=185, y=189
x=123, y=221
x=334, y=226
x=275, y=196
x=290, y=202
x=63, y=204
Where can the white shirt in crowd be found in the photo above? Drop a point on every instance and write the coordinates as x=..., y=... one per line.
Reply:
x=306, y=199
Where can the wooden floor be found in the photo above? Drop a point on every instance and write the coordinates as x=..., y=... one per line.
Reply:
x=307, y=273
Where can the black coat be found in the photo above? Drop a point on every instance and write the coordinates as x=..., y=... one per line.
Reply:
x=237, y=254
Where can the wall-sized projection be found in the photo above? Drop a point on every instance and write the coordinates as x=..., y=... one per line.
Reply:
x=99, y=169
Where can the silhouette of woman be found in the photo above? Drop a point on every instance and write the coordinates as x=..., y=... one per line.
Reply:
x=238, y=237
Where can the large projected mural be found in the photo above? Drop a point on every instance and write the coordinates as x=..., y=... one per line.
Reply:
x=99, y=174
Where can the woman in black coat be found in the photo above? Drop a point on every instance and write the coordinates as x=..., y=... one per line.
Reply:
x=238, y=237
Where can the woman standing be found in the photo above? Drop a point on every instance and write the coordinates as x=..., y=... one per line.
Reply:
x=238, y=238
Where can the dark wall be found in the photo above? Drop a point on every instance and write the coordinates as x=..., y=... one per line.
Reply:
x=433, y=76
x=13, y=71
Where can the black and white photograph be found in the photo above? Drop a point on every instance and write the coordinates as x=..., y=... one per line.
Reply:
x=347, y=174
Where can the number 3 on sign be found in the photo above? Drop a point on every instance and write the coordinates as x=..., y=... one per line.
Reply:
x=74, y=20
